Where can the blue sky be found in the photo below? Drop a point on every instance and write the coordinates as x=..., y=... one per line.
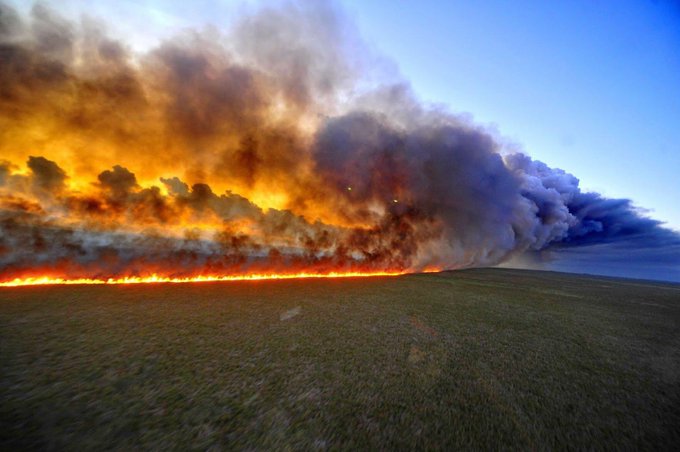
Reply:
x=592, y=87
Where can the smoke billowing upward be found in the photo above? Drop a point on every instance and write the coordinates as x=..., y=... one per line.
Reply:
x=261, y=149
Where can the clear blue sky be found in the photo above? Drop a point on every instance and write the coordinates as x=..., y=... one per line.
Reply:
x=592, y=87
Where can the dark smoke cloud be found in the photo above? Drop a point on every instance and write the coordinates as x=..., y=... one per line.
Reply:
x=47, y=176
x=155, y=162
x=595, y=234
x=119, y=181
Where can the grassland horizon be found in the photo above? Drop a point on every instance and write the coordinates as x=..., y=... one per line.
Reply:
x=484, y=358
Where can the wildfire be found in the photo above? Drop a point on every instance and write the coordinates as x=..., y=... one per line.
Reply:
x=215, y=156
x=49, y=280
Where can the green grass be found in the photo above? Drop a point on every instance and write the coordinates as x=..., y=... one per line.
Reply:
x=472, y=359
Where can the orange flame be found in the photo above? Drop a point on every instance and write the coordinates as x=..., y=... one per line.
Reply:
x=49, y=280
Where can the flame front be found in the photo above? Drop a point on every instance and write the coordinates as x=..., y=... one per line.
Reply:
x=47, y=280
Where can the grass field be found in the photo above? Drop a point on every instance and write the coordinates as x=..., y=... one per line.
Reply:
x=470, y=359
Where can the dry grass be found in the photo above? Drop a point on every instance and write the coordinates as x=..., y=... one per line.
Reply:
x=472, y=359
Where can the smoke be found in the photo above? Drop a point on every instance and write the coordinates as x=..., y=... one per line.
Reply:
x=262, y=149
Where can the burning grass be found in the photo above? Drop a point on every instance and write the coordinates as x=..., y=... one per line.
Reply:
x=50, y=281
x=474, y=359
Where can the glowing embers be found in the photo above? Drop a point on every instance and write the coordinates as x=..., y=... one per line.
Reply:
x=48, y=280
